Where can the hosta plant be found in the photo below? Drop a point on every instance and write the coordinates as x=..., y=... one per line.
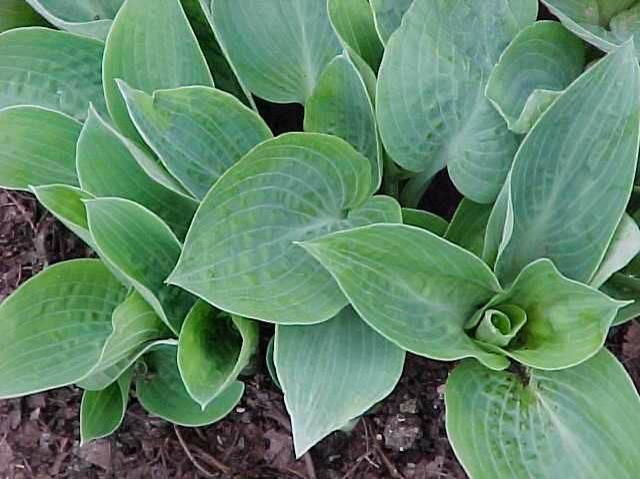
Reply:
x=136, y=125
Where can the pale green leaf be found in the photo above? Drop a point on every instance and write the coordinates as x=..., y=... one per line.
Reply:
x=573, y=174
x=151, y=46
x=425, y=220
x=143, y=248
x=110, y=165
x=431, y=107
x=321, y=365
x=55, y=325
x=411, y=286
x=18, y=13
x=543, y=58
x=240, y=254
x=162, y=393
x=38, y=147
x=625, y=286
x=496, y=226
x=340, y=105
x=468, y=226
x=197, y=132
x=278, y=47
x=271, y=365
x=51, y=69
x=575, y=423
x=624, y=246
x=388, y=16
x=213, y=350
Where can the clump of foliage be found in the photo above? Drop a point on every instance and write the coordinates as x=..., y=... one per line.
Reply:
x=135, y=125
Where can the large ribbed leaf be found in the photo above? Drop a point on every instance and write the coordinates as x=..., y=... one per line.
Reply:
x=431, y=107
x=162, y=393
x=197, y=132
x=332, y=373
x=38, y=147
x=341, y=106
x=143, y=248
x=55, y=325
x=18, y=13
x=411, y=286
x=102, y=412
x=468, y=226
x=108, y=165
x=542, y=59
x=240, y=253
x=51, y=69
x=213, y=350
x=576, y=423
x=624, y=246
x=87, y=17
x=573, y=174
x=388, y=15
x=279, y=47
x=151, y=46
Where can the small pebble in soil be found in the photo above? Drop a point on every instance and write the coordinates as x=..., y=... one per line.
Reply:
x=410, y=406
x=401, y=432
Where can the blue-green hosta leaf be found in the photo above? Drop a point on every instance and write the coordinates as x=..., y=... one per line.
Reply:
x=496, y=226
x=425, y=220
x=573, y=174
x=332, y=373
x=603, y=23
x=110, y=165
x=411, y=286
x=51, y=69
x=542, y=59
x=143, y=248
x=431, y=107
x=102, y=412
x=278, y=47
x=18, y=13
x=624, y=246
x=136, y=328
x=388, y=16
x=341, y=106
x=575, y=423
x=213, y=350
x=86, y=17
x=38, y=147
x=567, y=322
x=55, y=325
x=240, y=254
x=197, y=132
x=354, y=24
x=163, y=394
x=271, y=364
x=468, y=226
x=151, y=46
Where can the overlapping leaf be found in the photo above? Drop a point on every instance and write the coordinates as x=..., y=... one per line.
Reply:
x=388, y=15
x=18, y=13
x=468, y=226
x=624, y=247
x=425, y=220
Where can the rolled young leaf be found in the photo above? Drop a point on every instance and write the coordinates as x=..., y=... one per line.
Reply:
x=167, y=54
x=213, y=350
x=411, y=286
x=573, y=174
x=431, y=107
x=240, y=254
x=38, y=147
x=388, y=15
x=55, y=326
x=319, y=366
x=578, y=422
x=278, y=47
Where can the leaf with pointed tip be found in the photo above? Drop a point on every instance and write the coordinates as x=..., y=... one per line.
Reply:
x=354, y=24
x=163, y=394
x=150, y=52
x=542, y=58
x=51, y=69
x=240, y=254
x=431, y=107
x=197, y=132
x=16, y=14
x=578, y=422
x=624, y=246
x=278, y=47
x=573, y=174
x=625, y=286
x=136, y=328
x=213, y=350
x=38, y=147
x=388, y=16
x=92, y=18
x=108, y=165
x=411, y=286
x=425, y=220
x=55, y=325
x=102, y=412
x=468, y=226
x=341, y=106
x=144, y=250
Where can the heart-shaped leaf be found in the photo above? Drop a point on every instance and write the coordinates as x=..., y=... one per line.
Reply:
x=388, y=15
